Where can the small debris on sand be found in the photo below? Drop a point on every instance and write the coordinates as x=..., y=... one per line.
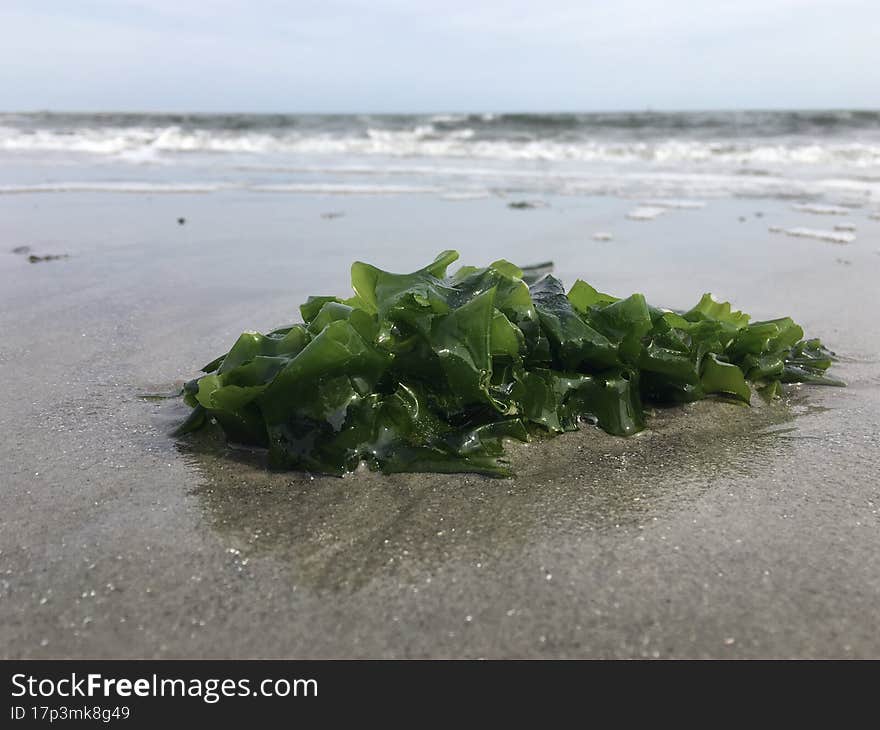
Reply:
x=329, y=216
x=181, y=221
x=742, y=219
x=845, y=227
x=34, y=259
x=845, y=262
x=602, y=236
x=526, y=204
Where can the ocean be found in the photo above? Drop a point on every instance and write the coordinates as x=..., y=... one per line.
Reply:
x=831, y=156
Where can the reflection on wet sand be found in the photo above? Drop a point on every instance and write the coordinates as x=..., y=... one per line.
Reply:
x=341, y=533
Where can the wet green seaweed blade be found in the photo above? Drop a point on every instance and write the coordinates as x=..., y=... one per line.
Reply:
x=428, y=371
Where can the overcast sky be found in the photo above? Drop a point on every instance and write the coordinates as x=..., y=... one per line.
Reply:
x=437, y=55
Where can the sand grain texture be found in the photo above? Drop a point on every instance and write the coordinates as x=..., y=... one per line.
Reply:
x=722, y=531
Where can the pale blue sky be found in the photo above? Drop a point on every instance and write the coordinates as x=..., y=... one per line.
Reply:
x=437, y=55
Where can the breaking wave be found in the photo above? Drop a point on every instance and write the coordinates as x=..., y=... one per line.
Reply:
x=849, y=139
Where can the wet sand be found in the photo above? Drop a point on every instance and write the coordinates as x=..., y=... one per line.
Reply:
x=722, y=531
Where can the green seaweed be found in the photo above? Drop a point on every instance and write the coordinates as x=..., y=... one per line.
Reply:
x=431, y=372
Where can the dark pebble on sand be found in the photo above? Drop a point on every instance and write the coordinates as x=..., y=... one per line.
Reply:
x=525, y=204
x=21, y=249
x=181, y=221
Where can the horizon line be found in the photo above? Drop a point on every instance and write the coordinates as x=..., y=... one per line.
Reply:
x=506, y=112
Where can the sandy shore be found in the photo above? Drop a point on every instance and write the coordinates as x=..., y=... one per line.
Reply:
x=721, y=531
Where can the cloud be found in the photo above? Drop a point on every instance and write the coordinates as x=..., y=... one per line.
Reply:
x=352, y=55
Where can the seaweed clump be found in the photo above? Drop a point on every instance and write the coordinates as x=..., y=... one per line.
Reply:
x=430, y=372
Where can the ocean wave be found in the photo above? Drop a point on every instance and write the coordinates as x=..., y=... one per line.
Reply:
x=811, y=157
x=756, y=142
x=140, y=144
x=724, y=123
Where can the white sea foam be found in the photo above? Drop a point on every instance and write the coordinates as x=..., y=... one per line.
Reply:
x=448, y=118
x=171, y=188
x=469, y=183
x=673, y=203
x=822, y=209
x=645, y=213
x=816, y=233
x=344, y=189
x=467, y=195
x=639, y=183
x=115, y=187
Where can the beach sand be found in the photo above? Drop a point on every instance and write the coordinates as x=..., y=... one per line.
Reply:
x=721, y=531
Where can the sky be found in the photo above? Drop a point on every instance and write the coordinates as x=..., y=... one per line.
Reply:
x=437, y=55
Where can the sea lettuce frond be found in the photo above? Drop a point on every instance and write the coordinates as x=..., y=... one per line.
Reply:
x=429, y=371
